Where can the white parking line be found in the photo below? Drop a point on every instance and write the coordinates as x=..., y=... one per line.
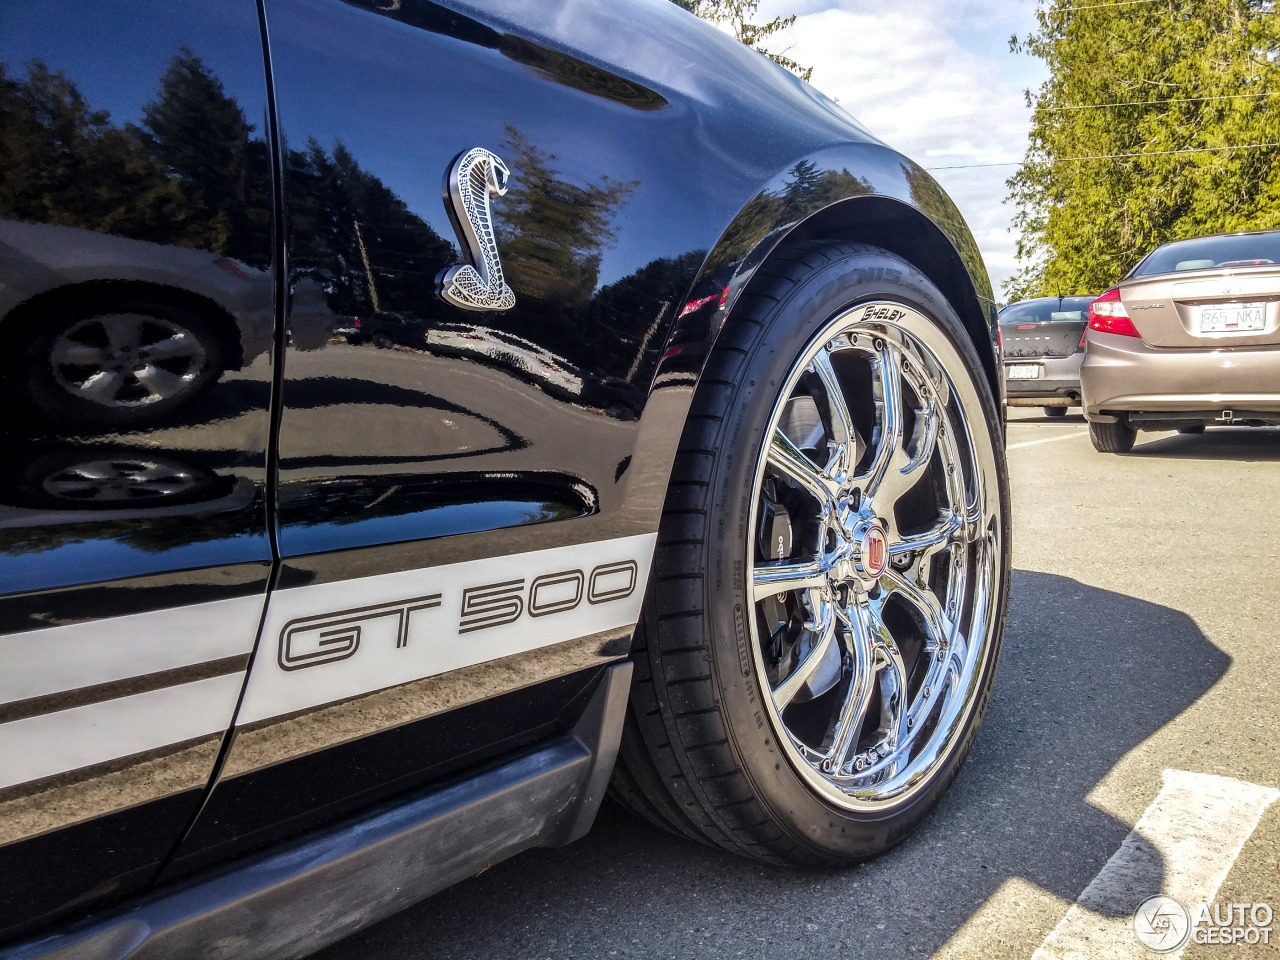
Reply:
x=1032, y=443
x=1183, y=846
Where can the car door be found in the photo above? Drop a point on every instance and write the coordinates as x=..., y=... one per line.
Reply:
x=137, y=316
x=469, y=491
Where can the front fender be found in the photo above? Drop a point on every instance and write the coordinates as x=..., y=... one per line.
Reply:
x=854, y=191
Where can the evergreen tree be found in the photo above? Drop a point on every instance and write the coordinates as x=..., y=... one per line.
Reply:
x=1191, y=87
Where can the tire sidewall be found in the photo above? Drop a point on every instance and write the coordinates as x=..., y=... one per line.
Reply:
x=829, y=291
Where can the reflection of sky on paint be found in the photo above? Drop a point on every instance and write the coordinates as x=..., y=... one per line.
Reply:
x=89, y=560
x=934, y=79
x=452, y=520
x=92, y=34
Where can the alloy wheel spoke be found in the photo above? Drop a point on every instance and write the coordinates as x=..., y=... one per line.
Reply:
x=792, y=462
x=781, y=576
x=157, y=473
x=102, y=386
x=123, y=330
x=845, y=455
x=159, y=381
x=176, y=347
x=786, y=691
x=889, y=374
x=893, y=694
x=931, y=541
x=72, y=353
x=936, y=621
x=857, y=698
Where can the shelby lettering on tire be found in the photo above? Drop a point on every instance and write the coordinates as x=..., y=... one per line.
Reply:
x=418, y=623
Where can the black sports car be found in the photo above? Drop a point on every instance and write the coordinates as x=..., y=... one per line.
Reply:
x=423, y=417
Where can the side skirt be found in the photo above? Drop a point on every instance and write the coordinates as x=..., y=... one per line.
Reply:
x=300, y=897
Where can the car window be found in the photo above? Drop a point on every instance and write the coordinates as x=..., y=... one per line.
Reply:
x=1204, y=253
x=1045, y=311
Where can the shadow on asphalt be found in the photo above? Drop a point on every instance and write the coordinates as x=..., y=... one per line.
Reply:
x=1249, y=444
x=1087, y=674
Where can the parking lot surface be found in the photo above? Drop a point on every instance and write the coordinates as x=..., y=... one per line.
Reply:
x=1142, y=638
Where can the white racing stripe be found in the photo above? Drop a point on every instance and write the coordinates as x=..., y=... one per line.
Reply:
x=56, y=659
x=69, y=739
x=1183, y=847
x=1032, y=443
x=334, y=641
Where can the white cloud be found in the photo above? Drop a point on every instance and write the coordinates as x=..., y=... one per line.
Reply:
x=935, y=80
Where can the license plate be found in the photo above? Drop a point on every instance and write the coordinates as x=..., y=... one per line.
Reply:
x=1232, y=317
x=1022, y=371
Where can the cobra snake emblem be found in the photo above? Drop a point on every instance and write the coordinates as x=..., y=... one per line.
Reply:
x=474, y=177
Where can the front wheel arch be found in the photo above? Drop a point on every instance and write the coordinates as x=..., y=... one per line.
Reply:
x=904, y=230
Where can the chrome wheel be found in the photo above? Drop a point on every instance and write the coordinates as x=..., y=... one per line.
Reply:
x=125, y=360
x=874, y=553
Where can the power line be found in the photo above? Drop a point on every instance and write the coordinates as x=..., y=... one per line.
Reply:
x=1115, y=156
x=1124, y=3
x=1153, y=103
x=1117, y=3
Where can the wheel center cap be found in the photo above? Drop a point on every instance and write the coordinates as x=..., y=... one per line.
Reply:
x=873, y=550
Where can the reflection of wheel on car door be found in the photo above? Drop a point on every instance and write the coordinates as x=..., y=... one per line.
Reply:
x=112, y=478
x=117, y=360
x=832, y=569
x=1054, y=411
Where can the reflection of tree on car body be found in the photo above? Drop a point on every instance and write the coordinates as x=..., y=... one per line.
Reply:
x=128, y=292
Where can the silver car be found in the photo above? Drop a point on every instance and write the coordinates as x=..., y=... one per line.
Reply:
x=1042, y=341
x=1190, y=337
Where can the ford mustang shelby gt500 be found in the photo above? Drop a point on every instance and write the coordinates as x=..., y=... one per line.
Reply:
x=422, y=418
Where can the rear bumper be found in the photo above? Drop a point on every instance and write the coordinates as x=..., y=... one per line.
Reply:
x=1058, y=383
x=1123, y=377
x=296, y=899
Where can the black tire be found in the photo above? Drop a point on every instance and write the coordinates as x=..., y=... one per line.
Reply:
x=1193, y=429
x=1054, y=411
x=42, y=381
x=1112, y=437
x=696, y=756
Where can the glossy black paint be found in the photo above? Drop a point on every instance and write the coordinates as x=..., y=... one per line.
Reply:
x=134, y=178
x=249, y=812
x=656, y=165
x=46, y=875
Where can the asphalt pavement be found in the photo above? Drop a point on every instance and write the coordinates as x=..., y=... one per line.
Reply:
x=1142, y=638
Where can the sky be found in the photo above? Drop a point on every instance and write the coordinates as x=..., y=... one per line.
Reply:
x=935, y=80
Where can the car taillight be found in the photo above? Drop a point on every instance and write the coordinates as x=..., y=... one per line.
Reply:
x=1108, y=315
